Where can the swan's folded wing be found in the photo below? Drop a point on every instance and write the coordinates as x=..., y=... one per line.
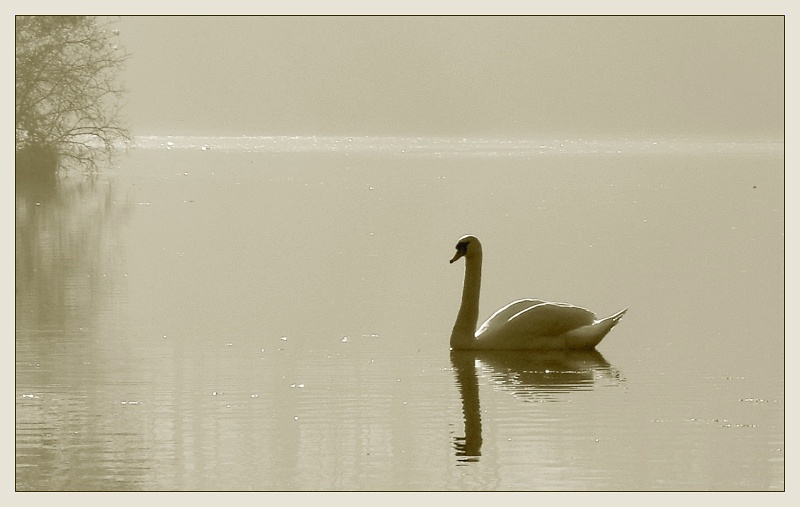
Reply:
x=549, y=319
x=505, y=313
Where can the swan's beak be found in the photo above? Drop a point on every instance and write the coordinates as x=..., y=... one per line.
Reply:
x=459, y=254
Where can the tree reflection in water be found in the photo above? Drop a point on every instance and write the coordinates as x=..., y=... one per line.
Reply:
x=69, y=271
x=64, y=236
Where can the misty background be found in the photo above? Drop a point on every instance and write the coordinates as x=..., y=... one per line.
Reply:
x=455, y=76
x=273, y=313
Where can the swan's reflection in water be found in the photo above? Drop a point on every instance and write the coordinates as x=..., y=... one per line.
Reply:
x=527, y=375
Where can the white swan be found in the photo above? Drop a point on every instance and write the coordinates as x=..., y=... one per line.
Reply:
x=523, y=324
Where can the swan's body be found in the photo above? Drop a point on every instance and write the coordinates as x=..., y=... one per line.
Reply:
x=524, y=324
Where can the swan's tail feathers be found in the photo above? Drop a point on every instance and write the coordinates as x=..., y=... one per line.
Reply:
x=603, y=326
x=617, y=316
x=589, y=336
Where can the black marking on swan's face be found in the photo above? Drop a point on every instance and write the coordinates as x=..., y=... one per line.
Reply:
x=461, y=250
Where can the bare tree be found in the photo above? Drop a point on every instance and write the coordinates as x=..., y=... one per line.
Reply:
x=67, y=91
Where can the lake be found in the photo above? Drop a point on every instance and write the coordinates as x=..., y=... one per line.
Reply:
x=274, y=313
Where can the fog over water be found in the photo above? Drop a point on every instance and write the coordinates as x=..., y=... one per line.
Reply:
x=256, y=295
x=456, y=75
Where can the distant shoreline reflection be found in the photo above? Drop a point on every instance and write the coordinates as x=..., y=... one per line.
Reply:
x=527, y=375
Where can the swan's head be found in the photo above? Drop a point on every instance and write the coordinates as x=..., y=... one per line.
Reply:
x=467, y=246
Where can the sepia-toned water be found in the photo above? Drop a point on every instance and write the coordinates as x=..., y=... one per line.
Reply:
x=275, y=313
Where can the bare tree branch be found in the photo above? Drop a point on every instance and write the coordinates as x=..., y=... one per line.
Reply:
x=67, y=91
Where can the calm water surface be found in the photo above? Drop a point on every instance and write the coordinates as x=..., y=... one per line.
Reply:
x=274, y=314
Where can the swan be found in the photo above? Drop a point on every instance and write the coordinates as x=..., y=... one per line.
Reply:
x=526, y=324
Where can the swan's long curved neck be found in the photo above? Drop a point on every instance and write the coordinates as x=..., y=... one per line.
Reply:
x=467, y=320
